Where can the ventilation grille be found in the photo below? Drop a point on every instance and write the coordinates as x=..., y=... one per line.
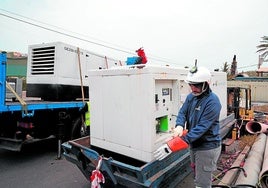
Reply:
x=43, y=60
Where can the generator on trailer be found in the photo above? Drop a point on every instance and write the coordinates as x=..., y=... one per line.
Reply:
x=133, y=110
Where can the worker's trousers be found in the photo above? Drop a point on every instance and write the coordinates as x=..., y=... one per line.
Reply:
x=204, y=162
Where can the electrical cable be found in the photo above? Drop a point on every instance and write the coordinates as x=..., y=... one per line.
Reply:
x=62, y=33
x=55, y=26
x=83, y=39
x=70, y=35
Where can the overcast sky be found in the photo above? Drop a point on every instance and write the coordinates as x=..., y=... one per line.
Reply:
x=173, y=31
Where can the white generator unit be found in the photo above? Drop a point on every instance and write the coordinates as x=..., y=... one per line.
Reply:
x=53, y=70
x=133, y=108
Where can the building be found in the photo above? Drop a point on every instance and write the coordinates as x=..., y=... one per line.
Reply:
x=16, y=64
x=261, y=71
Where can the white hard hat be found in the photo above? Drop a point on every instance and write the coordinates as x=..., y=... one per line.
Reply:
x=198, y=75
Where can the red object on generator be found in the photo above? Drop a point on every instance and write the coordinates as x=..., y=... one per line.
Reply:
x=142, y=55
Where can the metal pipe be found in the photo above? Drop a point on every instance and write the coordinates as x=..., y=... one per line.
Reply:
x=253, y=163
x=255, y=127
x=226, y=125
x=232, y=173
x=263, y=177
x=59, y=149
x=226, y=129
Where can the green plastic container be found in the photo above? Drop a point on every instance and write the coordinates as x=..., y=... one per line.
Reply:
x=164, y=123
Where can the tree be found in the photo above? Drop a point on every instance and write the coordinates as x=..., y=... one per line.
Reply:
x=225, y=67
x=234, y=66
x=263, y=48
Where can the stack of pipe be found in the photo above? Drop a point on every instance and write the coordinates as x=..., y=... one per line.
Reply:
x=253, y=163
x=232, y=173
x=255, y=127
x=263, y=177
x=226, y=125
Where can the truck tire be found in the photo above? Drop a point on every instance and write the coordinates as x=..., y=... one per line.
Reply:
x=78, y=130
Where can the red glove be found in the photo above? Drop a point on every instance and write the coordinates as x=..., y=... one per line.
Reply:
x=177, y=144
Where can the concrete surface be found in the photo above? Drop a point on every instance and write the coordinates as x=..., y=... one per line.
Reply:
x=188, y=182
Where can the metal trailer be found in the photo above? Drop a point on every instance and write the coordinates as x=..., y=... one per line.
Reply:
x=122, y=171
x=49, y=120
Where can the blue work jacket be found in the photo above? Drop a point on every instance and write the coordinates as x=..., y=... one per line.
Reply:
x=201, y=115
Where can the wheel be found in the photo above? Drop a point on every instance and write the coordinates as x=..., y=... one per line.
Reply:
x=78, y=129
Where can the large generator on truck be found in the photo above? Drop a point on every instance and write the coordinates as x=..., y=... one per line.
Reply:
x=56, y=94
x=132, y=110
x=30, y=120
x=57, y=71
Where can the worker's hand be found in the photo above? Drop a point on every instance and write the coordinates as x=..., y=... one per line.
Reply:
x=173, y=145
x=177, y=131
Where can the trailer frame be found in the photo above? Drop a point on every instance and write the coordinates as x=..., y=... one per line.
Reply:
x=165, y=173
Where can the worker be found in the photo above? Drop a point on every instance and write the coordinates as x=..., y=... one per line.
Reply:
x=86, y=110
x=142, y=59
x=87, y=118
x=200, y=115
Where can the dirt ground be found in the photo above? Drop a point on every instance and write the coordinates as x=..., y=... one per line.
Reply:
x=187, y=182
x=261, y=108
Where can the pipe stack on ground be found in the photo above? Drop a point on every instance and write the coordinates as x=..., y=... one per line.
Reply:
x=255, y=127
x=232, y=174
x=263, y=177
x=253, y=163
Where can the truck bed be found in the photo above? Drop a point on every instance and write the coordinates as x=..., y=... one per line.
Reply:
x=13, y=110
x=122, y=171
x=39, y=105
